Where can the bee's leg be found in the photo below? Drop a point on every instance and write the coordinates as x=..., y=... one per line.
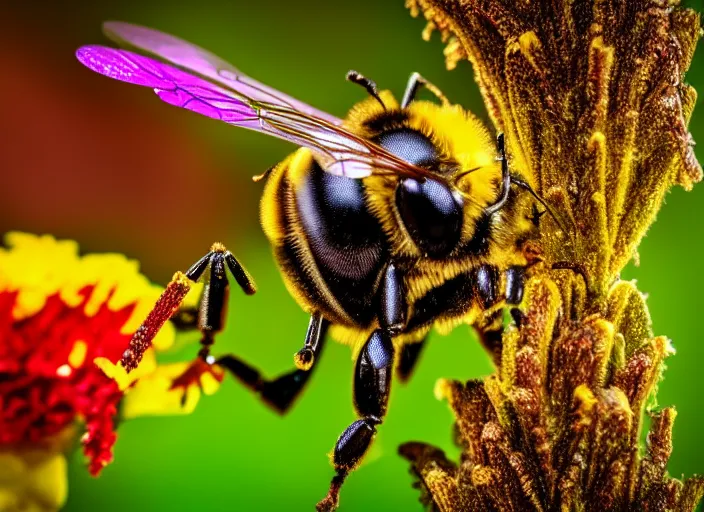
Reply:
x=515, y=285
x=212, y=306
x=281, y=392
x=414, y=84
x=213, y=302
x=393, y=307
x=490, y=328
x=393, y=318
x=372, y=383
x=410, y=353
x=210, y=320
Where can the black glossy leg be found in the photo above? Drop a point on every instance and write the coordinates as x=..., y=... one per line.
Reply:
x=407, y=361
x=394, y=314
x=518, y=316
x=372, y=384
x=213, y=302
x=515, y=284
x=372, y=380
x=281, y=392
x=317, y=327
x=490, y=328
x=211, y=315
x=393, y=305
x=486, y=282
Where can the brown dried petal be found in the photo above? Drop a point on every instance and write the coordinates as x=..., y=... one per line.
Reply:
x=472, y=409
x=436, y=476
x=578, y=357
x=691, y=494
x=608, y=450
x=643, y=370
x=654, y=465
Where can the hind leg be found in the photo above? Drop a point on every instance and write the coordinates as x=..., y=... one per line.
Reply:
x=372, y=384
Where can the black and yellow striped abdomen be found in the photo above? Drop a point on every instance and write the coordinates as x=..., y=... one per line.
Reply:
x=330, y=248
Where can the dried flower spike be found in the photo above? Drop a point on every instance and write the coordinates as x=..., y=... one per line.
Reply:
x=591, y=97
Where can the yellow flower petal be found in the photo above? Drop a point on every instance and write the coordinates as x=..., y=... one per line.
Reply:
x=78, y=354
x=152, y=395
x=118, y=373
x=209, y=384
x=41, y=266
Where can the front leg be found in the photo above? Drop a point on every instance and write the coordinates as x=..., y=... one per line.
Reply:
x=211, y=315
x=279, y=393
x=490, y=327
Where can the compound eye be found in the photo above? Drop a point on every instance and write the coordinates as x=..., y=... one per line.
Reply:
x=432, y=214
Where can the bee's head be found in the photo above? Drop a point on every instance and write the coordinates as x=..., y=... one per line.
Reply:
x=430, y=210
x=448, y=213
x=442, y=220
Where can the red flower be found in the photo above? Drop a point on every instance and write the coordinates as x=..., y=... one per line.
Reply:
x=47, y=376
x=65, y=321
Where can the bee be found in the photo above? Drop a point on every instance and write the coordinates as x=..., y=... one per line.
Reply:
x=399, y=218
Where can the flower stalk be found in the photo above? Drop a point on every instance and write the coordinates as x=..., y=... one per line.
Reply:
x=592, y=100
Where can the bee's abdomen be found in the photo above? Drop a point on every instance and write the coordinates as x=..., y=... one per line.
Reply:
x=330, y=248
x=345, y=240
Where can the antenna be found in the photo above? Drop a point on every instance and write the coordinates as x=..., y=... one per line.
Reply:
x=359, y=79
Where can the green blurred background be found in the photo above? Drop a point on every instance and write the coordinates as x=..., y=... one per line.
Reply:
x=107, y=164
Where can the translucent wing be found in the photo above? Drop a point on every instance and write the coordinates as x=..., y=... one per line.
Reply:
x=190, y=57
x=240, y=103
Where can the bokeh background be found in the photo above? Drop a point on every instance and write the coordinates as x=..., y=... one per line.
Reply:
x=87, y=158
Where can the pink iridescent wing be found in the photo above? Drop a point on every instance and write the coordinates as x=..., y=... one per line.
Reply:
x=188, y=56
x=336, y=150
